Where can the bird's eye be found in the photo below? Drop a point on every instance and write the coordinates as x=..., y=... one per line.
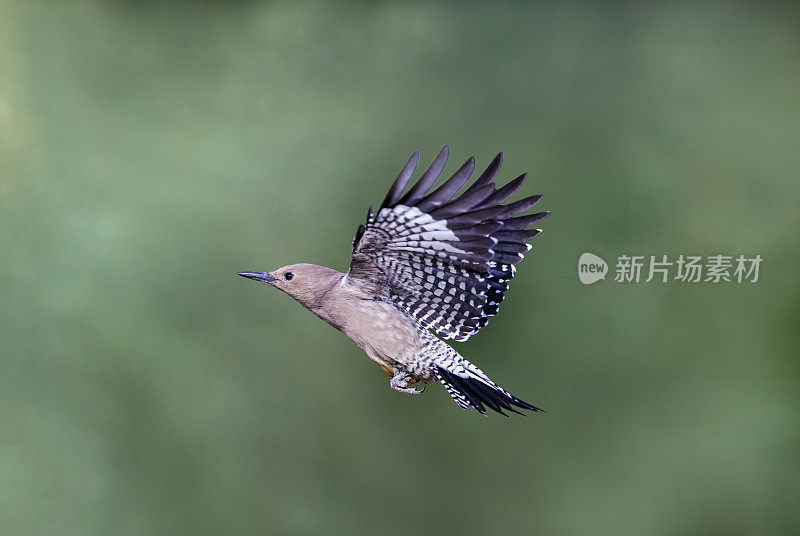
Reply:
x=288, y=276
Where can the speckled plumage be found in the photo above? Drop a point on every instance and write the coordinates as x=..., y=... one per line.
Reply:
x=426, y=261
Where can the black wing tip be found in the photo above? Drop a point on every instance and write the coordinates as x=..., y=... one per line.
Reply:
x=497, y=160
x=402, y=181
x=444, y=153
x=427, y=180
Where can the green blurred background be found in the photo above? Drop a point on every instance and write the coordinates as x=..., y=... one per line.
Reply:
x=150, y=151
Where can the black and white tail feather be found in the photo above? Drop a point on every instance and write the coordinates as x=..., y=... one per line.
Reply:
x=447, y=259
x=469, y=391
x=467, y=384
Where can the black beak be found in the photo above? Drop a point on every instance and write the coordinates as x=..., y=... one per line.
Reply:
x=264, y=277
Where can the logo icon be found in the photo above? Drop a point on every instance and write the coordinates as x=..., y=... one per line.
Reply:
x=591, y=268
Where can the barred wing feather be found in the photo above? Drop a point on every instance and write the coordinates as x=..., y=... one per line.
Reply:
x=445, y=260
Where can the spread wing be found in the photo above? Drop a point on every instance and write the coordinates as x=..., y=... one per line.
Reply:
x=445, y=259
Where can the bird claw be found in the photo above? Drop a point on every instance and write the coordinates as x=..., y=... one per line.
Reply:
x=399, y=382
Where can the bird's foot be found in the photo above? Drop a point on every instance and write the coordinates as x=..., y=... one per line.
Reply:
x=401, y=380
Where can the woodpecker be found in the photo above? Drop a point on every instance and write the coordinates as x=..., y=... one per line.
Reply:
x=425, y=263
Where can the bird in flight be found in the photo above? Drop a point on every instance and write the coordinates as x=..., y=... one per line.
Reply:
x=425, y=261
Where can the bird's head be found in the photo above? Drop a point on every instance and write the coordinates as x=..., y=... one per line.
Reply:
x=306, y=283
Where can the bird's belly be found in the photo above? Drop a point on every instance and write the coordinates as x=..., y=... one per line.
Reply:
x=383, y=333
